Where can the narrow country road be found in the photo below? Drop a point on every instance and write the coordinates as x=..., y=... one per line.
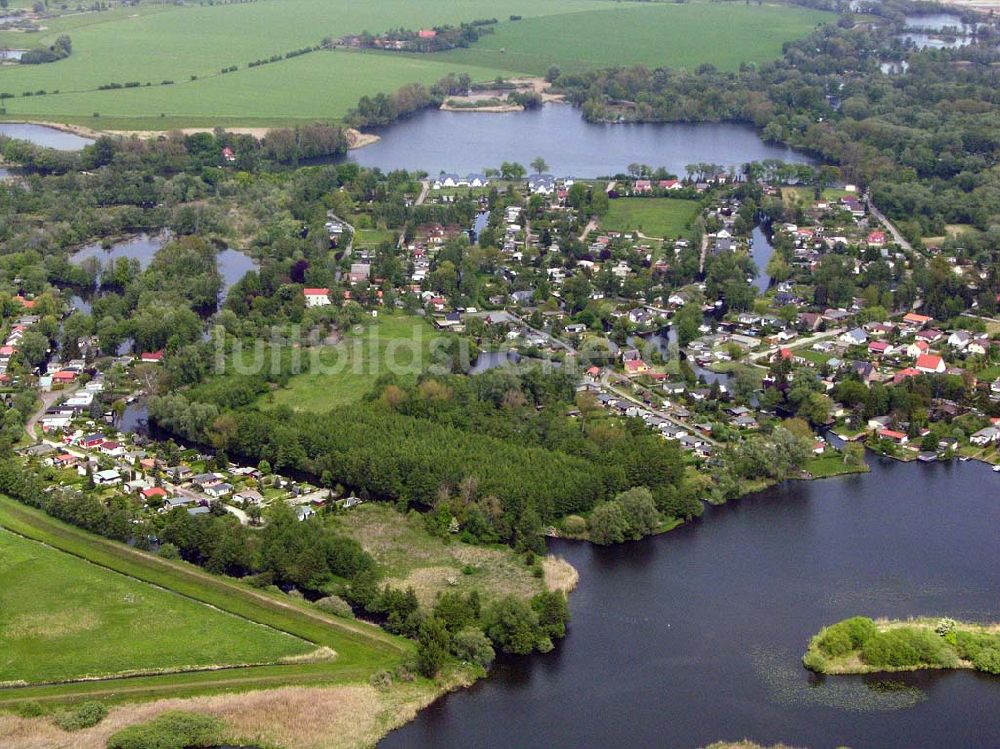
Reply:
x=425, y=186
x=897, y=237
x=47, y=400
x=606, y=384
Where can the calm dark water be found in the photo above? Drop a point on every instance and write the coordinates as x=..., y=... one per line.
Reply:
x=42, y=135
x=936, y=22
x=464, y=142
x=761, y=252
x=697, y=635
x=232, y=264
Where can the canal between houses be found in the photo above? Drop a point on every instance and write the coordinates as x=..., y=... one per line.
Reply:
x=697, y=635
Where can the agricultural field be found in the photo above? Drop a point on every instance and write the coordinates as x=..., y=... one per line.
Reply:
x=395, y=343
x=411, y=557
x=63, y=618
x=653, y=217
x=180, y=83
x=654, y=34
x=157, y=43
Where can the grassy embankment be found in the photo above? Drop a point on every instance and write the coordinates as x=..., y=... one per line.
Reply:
x=861, y=645
x=661, y=218
x=361, y=649
x=64, y=618
x=156, y=44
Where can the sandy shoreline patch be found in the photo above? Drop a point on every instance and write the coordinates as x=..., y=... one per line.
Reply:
x=355, y=138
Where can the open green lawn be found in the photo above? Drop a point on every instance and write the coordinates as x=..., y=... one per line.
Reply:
x=173, y=43
x=360, y=648
x=654, y=34
x=806, y=196
x=176, y=42
x=654, y=217
x=63, y=618
x=400, y=344
x=831, y=463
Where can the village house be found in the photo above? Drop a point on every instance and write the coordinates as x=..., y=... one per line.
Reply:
x=930, y=364
x=316, y=297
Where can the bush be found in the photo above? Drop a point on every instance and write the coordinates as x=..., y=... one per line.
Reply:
x=335, y=605
x=474, y=646
x=843, y=637
x=512, y=625
x=608, y=524
x=381, y=679
x=981, y=649
x=834, y=642
x=171, y=730
x=574, y=525
x=81, y=716
x=169, y=551
x=988, y=660
x=30, y=709
x=905, y=647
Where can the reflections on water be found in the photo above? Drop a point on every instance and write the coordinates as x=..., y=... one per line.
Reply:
x=697, y=635
x=464, y=142
x=43, y=135
x=232, y=264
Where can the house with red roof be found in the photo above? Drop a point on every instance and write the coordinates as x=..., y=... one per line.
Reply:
x=930, y=364
x=881, y=348
x=670, y=184
x=64, y=376
x=316, y=297
x=915, y=320
x=427, y=33
x=905, y=374
x=112, y=448
x=151, y=357
x=635, y=367
x=228, y=154
x=875, y=238
x=891, y=434
x=154, y=492
x=643, y=185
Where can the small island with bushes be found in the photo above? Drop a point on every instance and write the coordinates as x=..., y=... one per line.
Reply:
x=861, y=645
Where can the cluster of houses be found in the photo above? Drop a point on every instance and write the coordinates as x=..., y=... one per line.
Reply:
x=13, y=340
x=132, y=467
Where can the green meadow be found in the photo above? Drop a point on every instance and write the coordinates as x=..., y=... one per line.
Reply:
x=654, y=217
x=653, y=34
x=86, y=609
x=189, y=45
x=63, y=618
x=400, y=344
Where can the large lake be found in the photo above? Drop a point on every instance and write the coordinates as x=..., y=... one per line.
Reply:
x=465, y=142
x=697, y=635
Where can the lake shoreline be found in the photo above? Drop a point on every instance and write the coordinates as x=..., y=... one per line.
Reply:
x=356, y=138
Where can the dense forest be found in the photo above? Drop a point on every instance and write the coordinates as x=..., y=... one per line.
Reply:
x=497, y=449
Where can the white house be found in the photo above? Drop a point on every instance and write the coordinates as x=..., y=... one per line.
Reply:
x=317, y=297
